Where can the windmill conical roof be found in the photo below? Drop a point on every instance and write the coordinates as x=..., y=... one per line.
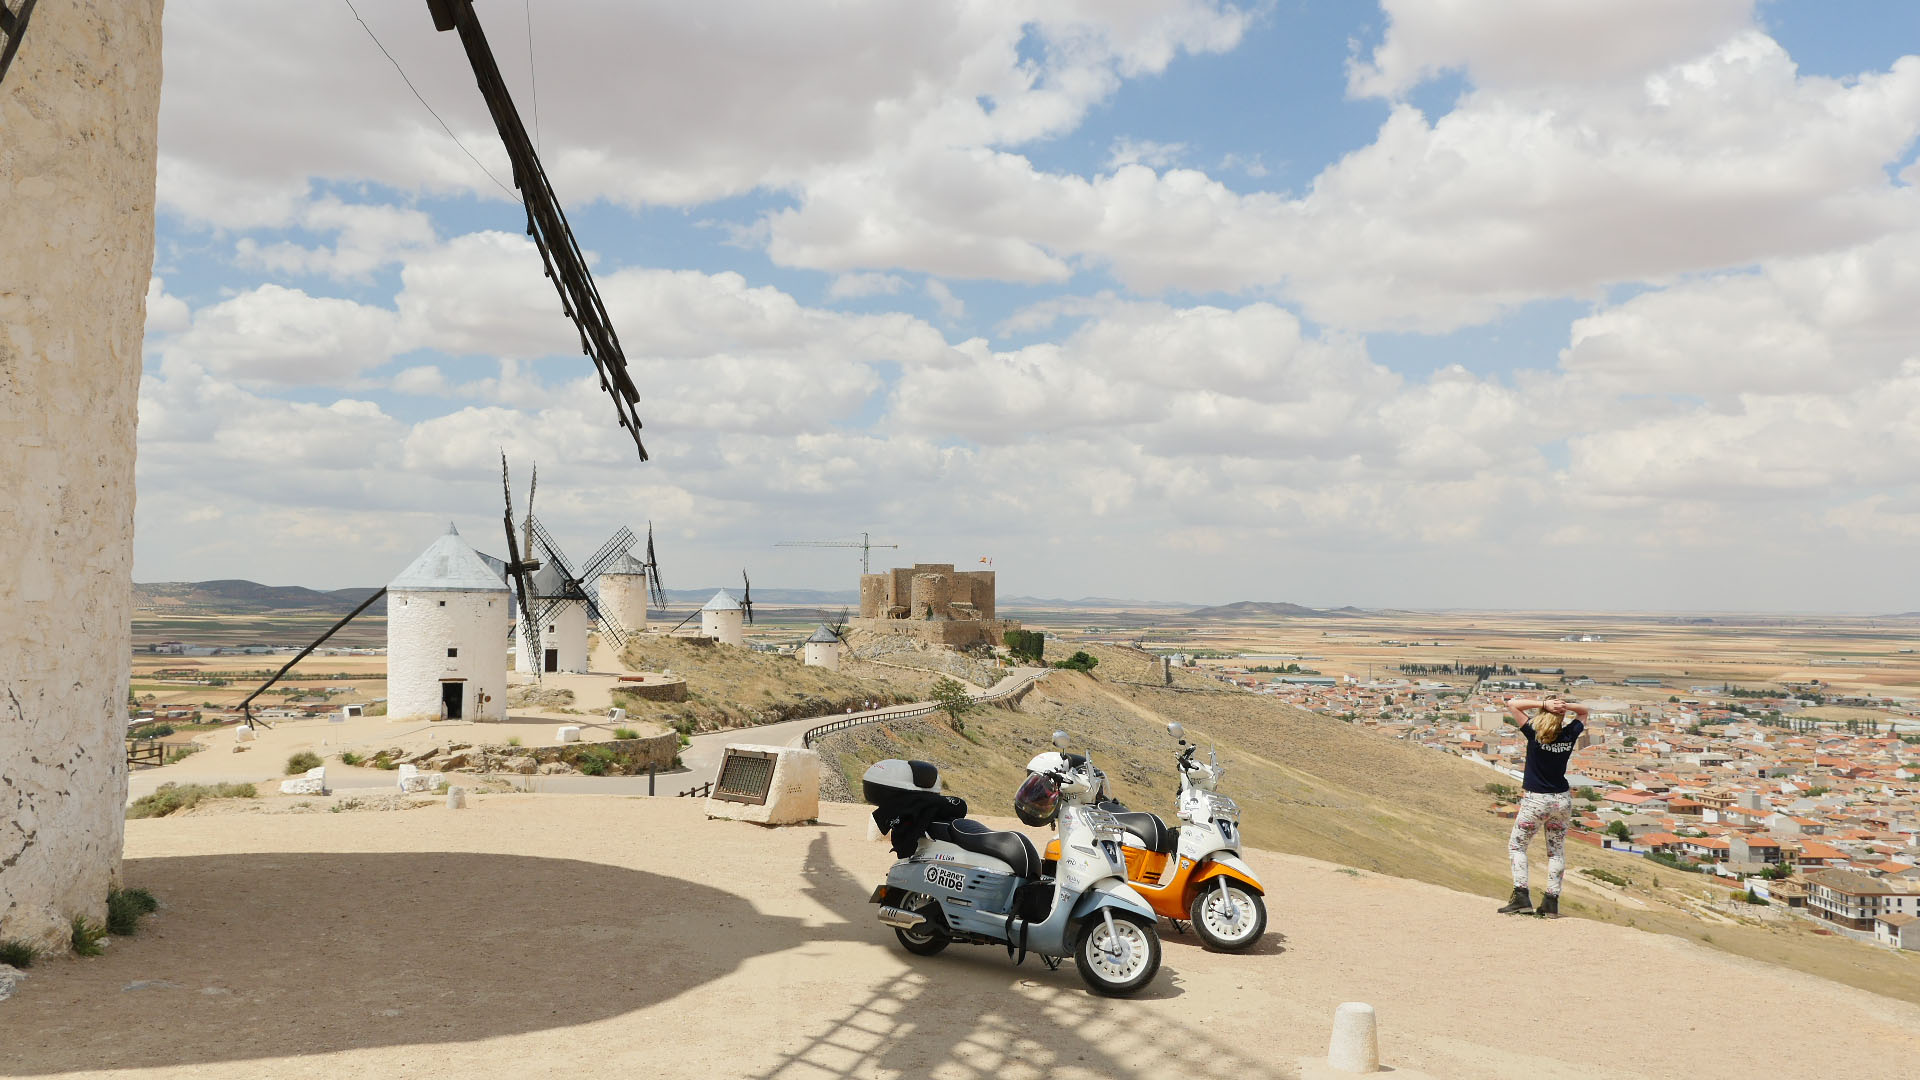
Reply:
x=824, y=635
x=547, y=583
x=722, y=601
x=448, y=565
x=625, y=564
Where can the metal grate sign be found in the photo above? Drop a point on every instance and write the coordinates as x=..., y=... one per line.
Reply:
x=745, y=777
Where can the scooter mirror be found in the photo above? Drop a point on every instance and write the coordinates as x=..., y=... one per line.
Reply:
x=1060, y=739
x=1176, y=731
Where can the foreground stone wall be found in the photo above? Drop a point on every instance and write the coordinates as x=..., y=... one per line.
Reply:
x=78, y=114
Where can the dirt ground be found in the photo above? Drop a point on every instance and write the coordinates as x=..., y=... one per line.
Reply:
x=584, y=936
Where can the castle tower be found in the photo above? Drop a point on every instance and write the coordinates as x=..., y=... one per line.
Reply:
x=823, y=649
x=446, y=636
x=563, y=628
x=723, y=620
x=623, y=593
x=78, y=112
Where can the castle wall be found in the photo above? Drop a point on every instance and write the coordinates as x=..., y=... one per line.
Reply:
x=78, y=113
x=975, y=587
x=420, y=630
x=875, y=595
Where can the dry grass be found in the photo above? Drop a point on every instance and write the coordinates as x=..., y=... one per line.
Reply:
x=1311, y=785
x=730, y=687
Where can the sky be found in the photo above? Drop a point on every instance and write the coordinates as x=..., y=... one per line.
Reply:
x=1543, y=304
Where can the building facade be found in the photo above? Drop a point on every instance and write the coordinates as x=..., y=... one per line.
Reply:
x=623, y=594
x=724, y=620
x=933, y=603
x=823, y=649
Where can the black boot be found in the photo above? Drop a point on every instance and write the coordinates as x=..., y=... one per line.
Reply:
x=1519, y=905
x=1549, y=907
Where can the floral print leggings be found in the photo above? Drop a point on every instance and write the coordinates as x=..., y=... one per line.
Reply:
x=1537, y=810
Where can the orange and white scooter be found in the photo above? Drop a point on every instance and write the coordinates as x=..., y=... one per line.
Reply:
x=1194, y=871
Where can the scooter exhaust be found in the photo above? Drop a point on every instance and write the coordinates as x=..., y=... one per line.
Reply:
x=904, y=920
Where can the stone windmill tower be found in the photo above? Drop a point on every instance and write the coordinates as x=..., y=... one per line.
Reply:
x=624, y=592
x=723, y=619
x=447, y=620
x=79, y=107
x=823, y=649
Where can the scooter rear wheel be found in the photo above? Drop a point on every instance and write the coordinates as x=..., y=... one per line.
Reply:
x=922, y=942
x=1231, y=923
x=1119, y=963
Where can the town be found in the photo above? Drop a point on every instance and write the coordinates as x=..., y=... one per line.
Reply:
x=1813, y=815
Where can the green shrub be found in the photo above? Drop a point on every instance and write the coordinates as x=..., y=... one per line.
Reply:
x=1499, y=791
x=87, y=936
x=302, y=761
x=1754, y=898
x=513, y=740
x=1079, y=661
x=1028, y=645
x=1605, y=875
x=18, y=953
x=625, y=733
x=172, y=797
x=348, y=757
x=124, y=908
x=182, y=753
x=384, y=760
x=596, y=760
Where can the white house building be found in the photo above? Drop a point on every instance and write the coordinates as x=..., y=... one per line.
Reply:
x=446, y=635
x=623, y=593
x=723, y=620
x=563, y=628
x=823, y=649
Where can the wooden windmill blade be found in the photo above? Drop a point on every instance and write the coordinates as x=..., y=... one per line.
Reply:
x=13, y=26
x=654, y=589
x=546, y=222
x=519, y=565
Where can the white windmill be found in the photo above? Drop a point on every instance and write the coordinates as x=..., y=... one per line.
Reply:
x=446, y=632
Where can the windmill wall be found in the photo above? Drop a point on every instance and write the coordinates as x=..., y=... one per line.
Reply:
x=564, y=630
x=623, y=598
x=421, y=627
x=78, y=113
x=725, y=627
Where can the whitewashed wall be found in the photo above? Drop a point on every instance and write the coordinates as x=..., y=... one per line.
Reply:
x=623, y=598
x=78, y=113
x=565, y=630
x=420, y=631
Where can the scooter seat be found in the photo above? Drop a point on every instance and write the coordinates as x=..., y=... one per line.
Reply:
x=1012, y=848
x=1160, y=839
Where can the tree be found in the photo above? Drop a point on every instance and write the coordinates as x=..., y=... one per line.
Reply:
x=1029, y=645
x=1079, y=661
x=952, y=698
x=1618, y=830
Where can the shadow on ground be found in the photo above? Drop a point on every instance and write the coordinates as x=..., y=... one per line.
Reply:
x=265, y=955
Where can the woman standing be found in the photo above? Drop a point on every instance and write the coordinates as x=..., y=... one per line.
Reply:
x=1553, y=730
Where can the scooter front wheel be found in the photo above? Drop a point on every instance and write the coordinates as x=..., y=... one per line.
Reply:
x=1229, y=919
x=1117, y=958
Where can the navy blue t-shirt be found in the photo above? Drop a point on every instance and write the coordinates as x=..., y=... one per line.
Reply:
x=1547, y=762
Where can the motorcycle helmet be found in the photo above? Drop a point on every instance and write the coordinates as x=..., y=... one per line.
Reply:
x=1037, y=802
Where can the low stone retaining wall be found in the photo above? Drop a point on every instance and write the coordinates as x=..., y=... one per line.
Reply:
x=653, y=687
x=622, y=757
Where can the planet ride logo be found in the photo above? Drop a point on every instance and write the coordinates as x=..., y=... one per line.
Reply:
x=945, y=878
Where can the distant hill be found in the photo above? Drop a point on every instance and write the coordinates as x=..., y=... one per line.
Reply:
x=1049, y=603
x=822, y=597
x=1256, y=609
x=236, y=596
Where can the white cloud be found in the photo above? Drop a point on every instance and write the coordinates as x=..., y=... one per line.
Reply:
x=369, y=238
x=1158, y=155
x=166, y=313
x=855, y=286
x=273, y=334
x=950, y=306
x=1507, y=43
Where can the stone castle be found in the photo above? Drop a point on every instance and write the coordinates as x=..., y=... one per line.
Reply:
x=931, y=603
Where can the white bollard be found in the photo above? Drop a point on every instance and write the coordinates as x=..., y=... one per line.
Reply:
x=456, y=798
x=1355, y=1047
x=616, y=716
x=567, y=734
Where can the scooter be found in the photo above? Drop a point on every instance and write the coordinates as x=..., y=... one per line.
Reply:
x=966, y=883
x=1194, y=871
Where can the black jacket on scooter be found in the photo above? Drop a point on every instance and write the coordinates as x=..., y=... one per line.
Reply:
x=905, y=815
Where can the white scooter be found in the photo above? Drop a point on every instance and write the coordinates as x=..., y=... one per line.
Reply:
x=966, y=883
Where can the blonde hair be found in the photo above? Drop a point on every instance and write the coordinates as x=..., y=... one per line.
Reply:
x=1546, y=725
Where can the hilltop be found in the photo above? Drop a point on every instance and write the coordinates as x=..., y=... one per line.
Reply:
x=1255, y=609
x=610, y=937
x=1315, y=786
x=238, y=596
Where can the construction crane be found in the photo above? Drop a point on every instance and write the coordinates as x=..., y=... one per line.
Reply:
x=865, y=544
